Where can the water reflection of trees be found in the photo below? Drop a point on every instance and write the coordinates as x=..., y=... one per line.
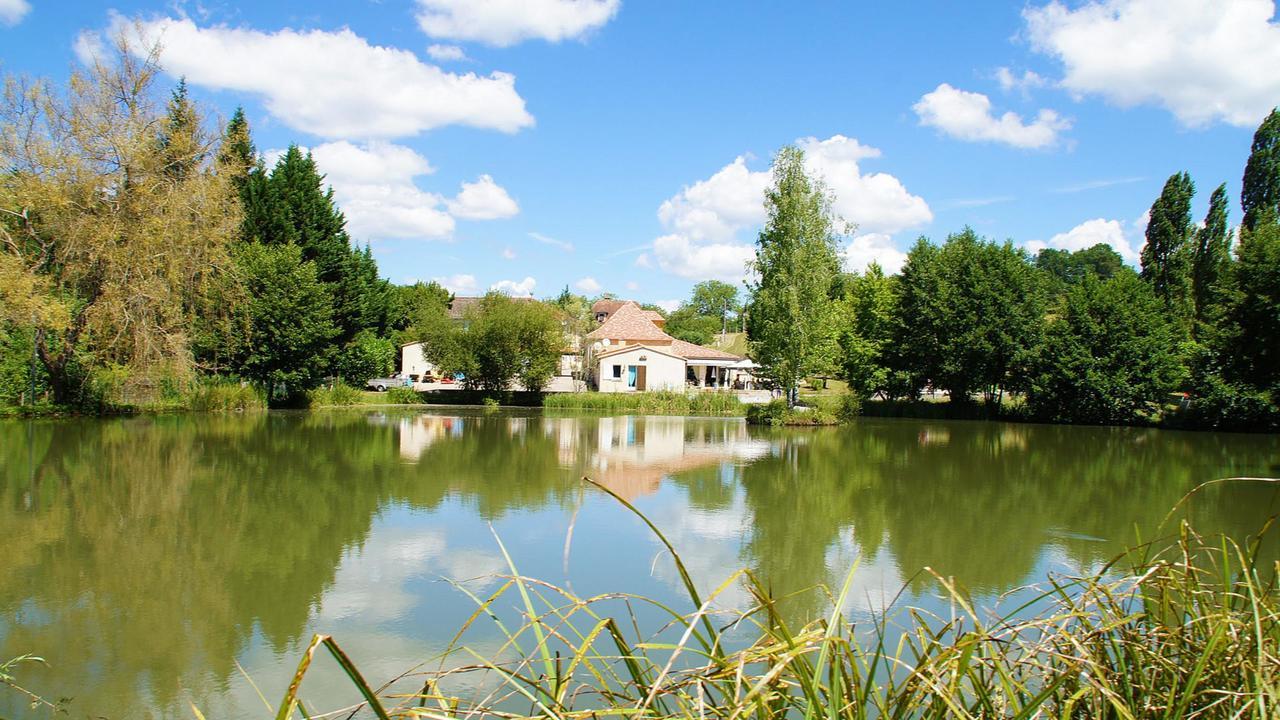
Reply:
x=984, y=502
x=148, y=552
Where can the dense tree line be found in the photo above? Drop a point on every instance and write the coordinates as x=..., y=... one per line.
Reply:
x=140, y=248
x=1078, y=336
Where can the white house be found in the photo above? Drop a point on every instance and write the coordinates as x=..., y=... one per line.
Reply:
x=630, y=352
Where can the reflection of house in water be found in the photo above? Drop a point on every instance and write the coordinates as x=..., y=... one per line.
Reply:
x=418, y=432
x=634, y=454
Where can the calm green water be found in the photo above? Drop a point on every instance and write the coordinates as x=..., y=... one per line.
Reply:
x=146, y=557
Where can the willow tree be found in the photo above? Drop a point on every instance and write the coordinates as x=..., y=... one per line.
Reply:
x=112, y=203
x=790, y=322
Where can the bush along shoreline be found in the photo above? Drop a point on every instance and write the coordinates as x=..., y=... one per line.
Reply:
x=1184, y=627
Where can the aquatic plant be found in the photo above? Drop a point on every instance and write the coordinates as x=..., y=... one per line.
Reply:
x=1185, y=628
x=662, y=402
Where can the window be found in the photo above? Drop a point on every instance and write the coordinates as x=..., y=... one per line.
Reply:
x=617, y=372
x=631, y=376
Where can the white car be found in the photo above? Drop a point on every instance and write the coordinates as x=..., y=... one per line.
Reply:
x=383, y=384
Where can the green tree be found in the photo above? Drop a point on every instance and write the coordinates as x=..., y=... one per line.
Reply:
x=1211, y=260
x=366, y=356
x=506, y=340
x=716, y=299
x=919, y=325
x=1254, y=347
x=1110, y=352
x=1260, y=193
x=870, y=306
x=289, y=315
x=1166, y=257
x=971, y=316
x=790, y=322
x=1071, y=267
x=688, y=324
x=237, y=156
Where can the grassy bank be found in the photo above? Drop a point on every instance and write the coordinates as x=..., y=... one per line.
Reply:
x=815, y=411
x=649, y=403
x=1185, y=628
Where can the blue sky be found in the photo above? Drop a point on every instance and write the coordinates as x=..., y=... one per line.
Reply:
x=614, y=145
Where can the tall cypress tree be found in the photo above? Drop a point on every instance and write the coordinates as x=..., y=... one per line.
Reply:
x=1166, y=258
x=1212, y=258
x=1260, y=195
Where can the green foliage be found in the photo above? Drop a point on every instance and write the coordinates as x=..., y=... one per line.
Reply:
x=500, y=342
x=1070, y=267
x=1254, y=344
x=1167, y=255
x=870, y=302
x=970, y=317
x=1222, y=405
x=216, y=395
x=337, y=394
x=1211, y=260
x=1109, y=354
x=400, y=395
x=663, y=402
x=688, y=324
x=16, y=366
x=366, y=356
x=290, y=318
x=844, y=408
x=791, y=323
x=1260, y=193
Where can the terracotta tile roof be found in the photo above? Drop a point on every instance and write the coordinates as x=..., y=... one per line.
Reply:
x=607, y=307
x=660, y=349
x=689, y=351
x=629, y=322
x=655, y=317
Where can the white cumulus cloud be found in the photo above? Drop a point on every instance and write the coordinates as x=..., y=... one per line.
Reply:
x=483, y=199
x=588, y=285
x=459, y=284
x=446, y=53
x=507, y=22
x=668, y=305
x=701, y=261
x=1011, y=81
x=706, y=221
x=967, y=116
x=1203, y=60
x=12, y=11
x=374, y=184
x=1090, y=233
x=863, y=250
x=330, y=84
x=521, y=288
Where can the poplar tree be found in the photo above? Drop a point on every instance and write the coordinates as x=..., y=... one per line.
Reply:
x=790, y=323
x=1260, y=194
x=1166, y=257
x=1211, y=260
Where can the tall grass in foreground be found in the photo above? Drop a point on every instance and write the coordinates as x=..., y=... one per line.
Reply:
x=662, y=402
x=1189, y=630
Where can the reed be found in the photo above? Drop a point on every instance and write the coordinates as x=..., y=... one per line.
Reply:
x=649, y=403
x=337, y=394
x=1188, y=628
x=214, y=396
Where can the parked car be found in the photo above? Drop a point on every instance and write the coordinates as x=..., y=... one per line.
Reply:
x=383, y=384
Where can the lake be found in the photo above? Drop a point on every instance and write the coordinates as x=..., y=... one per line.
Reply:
x=157, y=562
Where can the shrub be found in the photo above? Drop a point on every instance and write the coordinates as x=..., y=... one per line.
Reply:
x=491, y=403
x=337, y=394
x=400, y=395
x=662, y=402
x=821, y=411
x=225, y=396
